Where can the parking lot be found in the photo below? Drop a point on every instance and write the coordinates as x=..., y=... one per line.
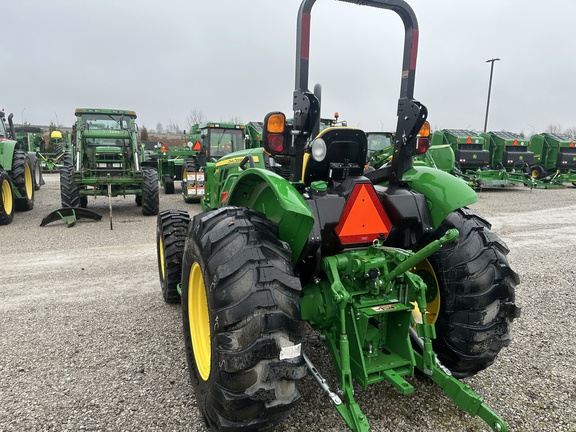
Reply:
x=87, y=342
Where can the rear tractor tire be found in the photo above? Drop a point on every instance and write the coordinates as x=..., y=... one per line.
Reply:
x=171, y=233
x=477, y=293
x=23, y=178
x=6, y=199
x=241, y=319
x=150, y=192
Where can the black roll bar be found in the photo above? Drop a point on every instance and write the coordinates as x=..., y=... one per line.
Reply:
x=411, y=114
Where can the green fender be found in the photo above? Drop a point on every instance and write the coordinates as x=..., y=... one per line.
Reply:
x=7, y=154
x=444, y=192
x=272, y=195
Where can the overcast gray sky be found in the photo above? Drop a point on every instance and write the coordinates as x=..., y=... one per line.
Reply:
x=236, y=58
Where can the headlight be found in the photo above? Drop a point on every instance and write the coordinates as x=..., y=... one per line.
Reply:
x=318, y=149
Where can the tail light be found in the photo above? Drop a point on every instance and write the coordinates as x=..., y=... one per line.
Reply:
x=275, y=143
x=274, y=133
x=423, y=141
x=422, y=145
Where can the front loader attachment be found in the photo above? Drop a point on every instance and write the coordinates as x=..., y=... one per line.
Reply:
x=70, y=215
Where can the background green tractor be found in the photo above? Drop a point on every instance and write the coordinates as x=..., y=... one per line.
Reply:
x=16, y=174
x=388, y=265
x=106, y=160
x=379, y=142
x=210, y=141
x=170, y=163
x=30, y=140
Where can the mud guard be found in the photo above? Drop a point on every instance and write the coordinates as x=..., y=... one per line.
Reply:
x=70, y=215
x=267, y=192
x=444, y=192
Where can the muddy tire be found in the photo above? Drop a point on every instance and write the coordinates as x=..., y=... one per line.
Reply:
x=23, y=178
x=150, y=192
x=477, y=295
x=69, y=192
x=6, y=199
x=171, y=233
x=241, y=316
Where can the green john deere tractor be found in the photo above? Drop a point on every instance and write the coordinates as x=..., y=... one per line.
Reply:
x=106, y=160
x=16, y=174
x=389, y=265
x=30, y=140
x=210, y=141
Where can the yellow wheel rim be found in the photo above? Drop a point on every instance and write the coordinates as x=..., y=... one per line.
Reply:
x=161, y=255
x=7, y=197
x=29, y=184
x=425, y=270
x=535, y=173
x=199, y=321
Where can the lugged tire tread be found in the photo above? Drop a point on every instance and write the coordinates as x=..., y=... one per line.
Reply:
x=172, y=229
x=477, y=295
x=254, y=297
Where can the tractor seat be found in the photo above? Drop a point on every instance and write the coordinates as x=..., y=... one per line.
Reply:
x=346, y=150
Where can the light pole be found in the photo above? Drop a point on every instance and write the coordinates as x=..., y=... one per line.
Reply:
x=489, y=89
x=22, y=116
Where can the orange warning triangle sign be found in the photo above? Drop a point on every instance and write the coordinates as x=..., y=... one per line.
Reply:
x=363, y=218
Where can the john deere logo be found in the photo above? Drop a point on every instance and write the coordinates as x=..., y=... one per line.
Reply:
x=521, y=158
x=474, y=156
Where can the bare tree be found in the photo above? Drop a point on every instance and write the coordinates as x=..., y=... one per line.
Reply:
x=235, y=120
x=554, y=129
x=173, y=128
x=195, y=117
x=571, y=132
x=159, y=128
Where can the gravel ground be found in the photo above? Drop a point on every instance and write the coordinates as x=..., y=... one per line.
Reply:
x=87, y=343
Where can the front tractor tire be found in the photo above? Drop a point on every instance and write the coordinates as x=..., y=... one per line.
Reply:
x=6, y=199
x=150, y=192
x=477, y=293
x=171, y=233
x=241, y=319
x=69, y=191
